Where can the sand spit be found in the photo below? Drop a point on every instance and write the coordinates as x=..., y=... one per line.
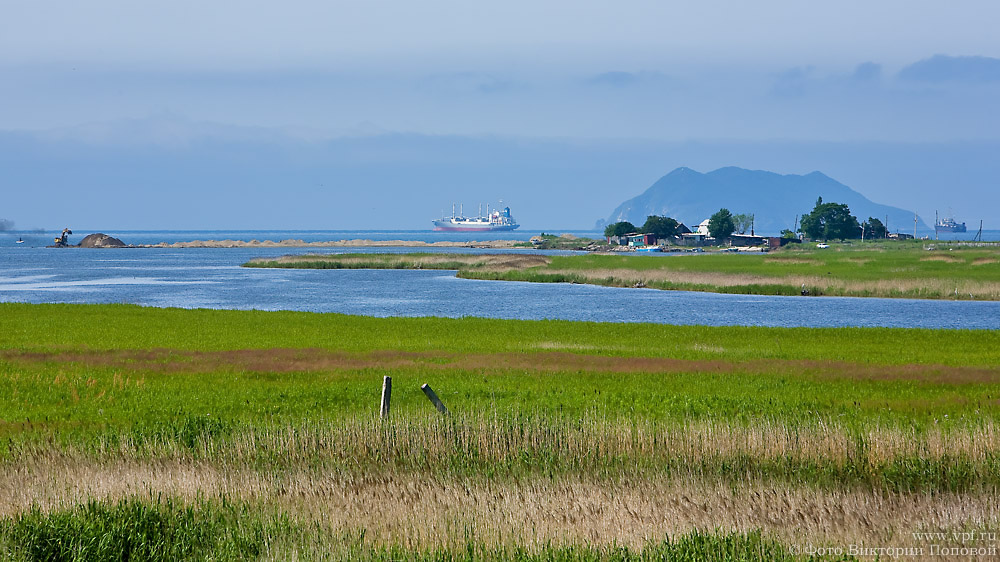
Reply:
x=336, y=244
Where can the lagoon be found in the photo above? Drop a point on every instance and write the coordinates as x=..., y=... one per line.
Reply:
x=213, y=278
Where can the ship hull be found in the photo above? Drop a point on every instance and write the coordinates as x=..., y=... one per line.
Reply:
x=497, y=221
x=459, y=228
x=950, y=228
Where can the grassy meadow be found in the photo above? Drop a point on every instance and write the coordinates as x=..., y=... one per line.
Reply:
x=193, y=434
x=897, y=269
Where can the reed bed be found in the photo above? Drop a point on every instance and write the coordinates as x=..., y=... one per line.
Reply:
x=255, y=435
x=530, y=484
x=822, y=454
x=158, y=528
x=896, y=286
x=492, y=262
x=904, y=271
x=422, y=512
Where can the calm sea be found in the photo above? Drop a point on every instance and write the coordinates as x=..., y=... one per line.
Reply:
x=213, y=278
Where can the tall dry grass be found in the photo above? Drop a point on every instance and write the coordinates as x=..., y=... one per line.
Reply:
x=426, y=482
x=817, y=453
x=589, y=444
x=423, y=511
x=897, y=286
x=490, y=262
x=538, y=268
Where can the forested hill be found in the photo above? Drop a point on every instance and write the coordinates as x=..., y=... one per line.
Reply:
x=774, y=199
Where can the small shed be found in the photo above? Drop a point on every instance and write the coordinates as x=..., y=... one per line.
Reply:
x=640, y=239
x=775, y=242
x=747, y=240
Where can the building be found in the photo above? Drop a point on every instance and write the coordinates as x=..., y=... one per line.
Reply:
x=775, y=242
x=747, y=240
x=639, y=239
x=695, y=239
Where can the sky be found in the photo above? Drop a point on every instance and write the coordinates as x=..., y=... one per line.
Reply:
x=887, y=71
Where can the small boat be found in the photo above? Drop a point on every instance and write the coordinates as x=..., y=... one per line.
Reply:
x=649, y=249
x=19, y=240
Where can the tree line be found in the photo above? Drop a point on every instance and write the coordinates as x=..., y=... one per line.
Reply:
x=721, y=225
x=827, y=221
x=834, y=221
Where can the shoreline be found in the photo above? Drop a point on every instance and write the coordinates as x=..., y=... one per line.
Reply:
x=297, y=243
x=799, y=273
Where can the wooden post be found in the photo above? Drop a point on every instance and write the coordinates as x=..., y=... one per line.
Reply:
x=386, y=395
x=434, y=399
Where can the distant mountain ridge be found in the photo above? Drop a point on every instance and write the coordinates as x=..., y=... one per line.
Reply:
x=774, y=199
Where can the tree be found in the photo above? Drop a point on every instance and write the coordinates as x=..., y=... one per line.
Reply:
x=830, y=221
x=743, y=222
x=619, y=229
x=786, y=233
x=874, y=229
x=659, y=226
x=720, y=225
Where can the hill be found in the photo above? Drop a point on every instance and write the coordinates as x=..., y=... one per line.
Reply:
x=774, y=199
x=175, y=175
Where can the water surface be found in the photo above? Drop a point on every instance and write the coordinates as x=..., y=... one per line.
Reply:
x=213, y=278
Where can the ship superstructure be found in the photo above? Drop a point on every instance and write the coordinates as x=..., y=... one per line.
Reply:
x=492, y=221
x=948, y=224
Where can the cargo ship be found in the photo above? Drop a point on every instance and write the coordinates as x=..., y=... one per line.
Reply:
x=498, y=220
x=948, y=225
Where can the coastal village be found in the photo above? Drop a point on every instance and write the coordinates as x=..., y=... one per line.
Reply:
x=827, y=221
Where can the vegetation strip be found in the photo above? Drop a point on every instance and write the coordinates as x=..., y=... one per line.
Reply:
x=137, y=528
x=586, y=440
x=307, y=360
x=905, y=270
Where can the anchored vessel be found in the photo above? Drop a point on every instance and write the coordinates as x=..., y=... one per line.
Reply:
x=948, y=225
x=497, y=220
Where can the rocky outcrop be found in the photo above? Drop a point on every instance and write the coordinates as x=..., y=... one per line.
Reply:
x=101, y=240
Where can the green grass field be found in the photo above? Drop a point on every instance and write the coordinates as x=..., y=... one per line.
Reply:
x=247, y=434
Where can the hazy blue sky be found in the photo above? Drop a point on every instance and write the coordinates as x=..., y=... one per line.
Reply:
x=650, y=69
x=124, y=72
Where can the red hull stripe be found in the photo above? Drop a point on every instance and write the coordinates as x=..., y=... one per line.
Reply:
x=459, y=229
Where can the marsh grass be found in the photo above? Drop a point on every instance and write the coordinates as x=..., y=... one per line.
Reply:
x=889, y=286
x=28, y=329
x=420, y=511
x=903, y=271
x=491, y=262
x=501, y=448
x=574, y=441
x=141, y=529
x=136, y=528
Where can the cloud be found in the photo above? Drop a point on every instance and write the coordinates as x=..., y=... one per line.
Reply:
x=867, y=72
x=941, y=69
x=793, y=82
x=469, y=82
x=615, y=78
x=622, y=79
